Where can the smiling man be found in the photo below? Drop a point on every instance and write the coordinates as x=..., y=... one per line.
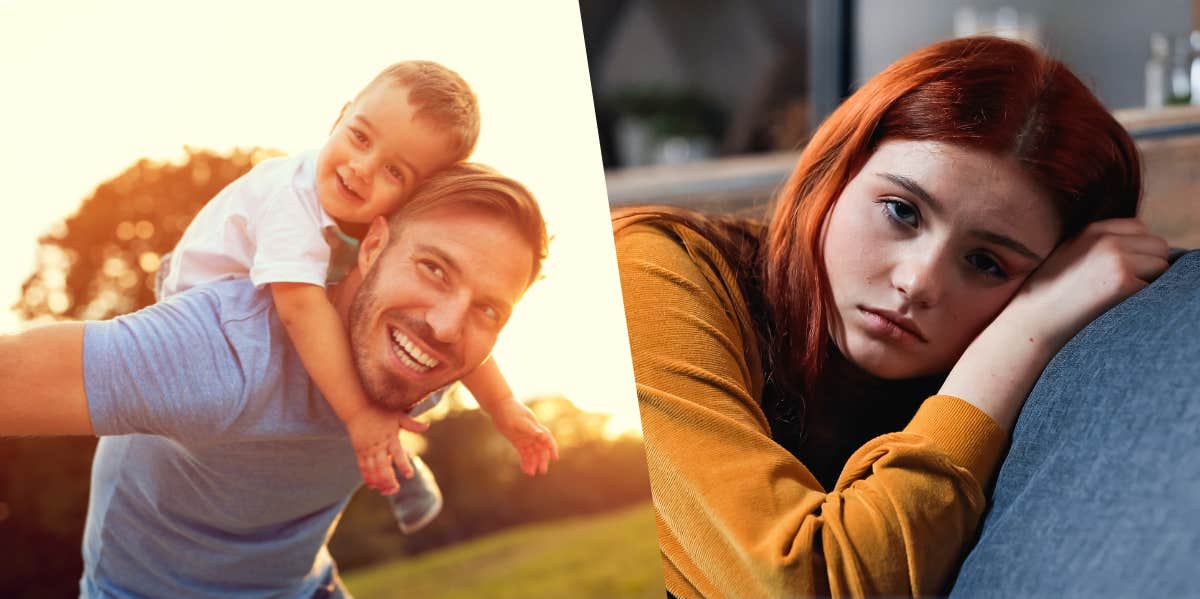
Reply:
x=221, y=470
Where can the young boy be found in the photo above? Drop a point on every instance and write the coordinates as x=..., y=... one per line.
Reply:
x=290, y=222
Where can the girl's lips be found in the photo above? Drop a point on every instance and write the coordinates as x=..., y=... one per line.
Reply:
x=890, y=325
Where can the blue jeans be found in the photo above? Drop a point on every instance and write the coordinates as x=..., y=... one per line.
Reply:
x=1100, y=493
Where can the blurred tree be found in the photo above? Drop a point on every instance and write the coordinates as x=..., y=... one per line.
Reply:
x=96, y=264
x=101, y=261
x=485, y=490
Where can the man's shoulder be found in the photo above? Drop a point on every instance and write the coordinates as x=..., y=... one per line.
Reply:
x=184, y=367
x=229, y=313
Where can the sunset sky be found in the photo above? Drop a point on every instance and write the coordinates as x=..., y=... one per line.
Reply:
x=91, y=87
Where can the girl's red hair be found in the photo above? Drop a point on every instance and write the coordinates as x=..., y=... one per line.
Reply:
x=982, y=92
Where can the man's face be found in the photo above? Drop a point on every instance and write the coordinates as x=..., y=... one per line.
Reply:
x=378, y=151
x=433, y=300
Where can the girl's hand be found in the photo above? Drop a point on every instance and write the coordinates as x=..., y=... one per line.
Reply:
x=1086, y=275
x=1107, y=262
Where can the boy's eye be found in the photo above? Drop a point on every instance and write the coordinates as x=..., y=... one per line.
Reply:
x=901, y=212
x=396, y=173
x=988, y=266
x=358, y=135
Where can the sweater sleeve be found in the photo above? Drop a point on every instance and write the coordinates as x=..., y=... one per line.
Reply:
x=738, y=515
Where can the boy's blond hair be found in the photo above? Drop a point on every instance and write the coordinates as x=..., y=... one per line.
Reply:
x=440, y=96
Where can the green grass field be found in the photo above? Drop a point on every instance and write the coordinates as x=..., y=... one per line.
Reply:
x=605, y=556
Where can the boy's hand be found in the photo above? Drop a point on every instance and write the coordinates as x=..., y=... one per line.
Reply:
x=375, y=435
x=532, y=441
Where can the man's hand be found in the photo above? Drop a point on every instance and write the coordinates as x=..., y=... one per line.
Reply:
x=531, y=439
x=375, y=435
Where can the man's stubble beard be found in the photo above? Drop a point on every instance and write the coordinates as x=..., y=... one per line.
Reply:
x=383, y=391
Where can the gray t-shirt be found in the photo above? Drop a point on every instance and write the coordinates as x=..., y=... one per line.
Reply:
x=222, y=470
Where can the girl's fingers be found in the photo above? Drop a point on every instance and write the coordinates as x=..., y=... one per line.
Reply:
x=1148, y=267
x=1150, y=245
x=1119, y=226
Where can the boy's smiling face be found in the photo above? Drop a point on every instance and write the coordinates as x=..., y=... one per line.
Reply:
x=377, y=153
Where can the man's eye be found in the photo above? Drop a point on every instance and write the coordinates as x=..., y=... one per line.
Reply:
x=988, y=266
x=491, y=313
x=901, y=212
x=434, y=270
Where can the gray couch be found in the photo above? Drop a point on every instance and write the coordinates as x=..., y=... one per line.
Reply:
x=1099, y=495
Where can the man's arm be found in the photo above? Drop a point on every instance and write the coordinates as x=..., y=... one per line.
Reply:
x=41, y=382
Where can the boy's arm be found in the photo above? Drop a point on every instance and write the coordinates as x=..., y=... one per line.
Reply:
x=41, y=382
x=487, y=385
x=512, y=418
x=324, y=346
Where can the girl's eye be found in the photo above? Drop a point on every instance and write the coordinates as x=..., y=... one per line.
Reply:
x=358, y=135
x=988, y=266
x=901, y=212
x=396, y=173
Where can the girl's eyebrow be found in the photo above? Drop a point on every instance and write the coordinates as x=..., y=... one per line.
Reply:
x=1007, y=242
x=915, y=188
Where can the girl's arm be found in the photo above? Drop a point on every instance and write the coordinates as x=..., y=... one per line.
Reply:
x=1085, y=276
x=324, y=347
x=737, y=514
x=513, y=419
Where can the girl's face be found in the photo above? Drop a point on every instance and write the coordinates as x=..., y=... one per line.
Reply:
x=924, y=247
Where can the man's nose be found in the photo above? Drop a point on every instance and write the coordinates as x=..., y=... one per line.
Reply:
x=918, y=278
x=448, y=319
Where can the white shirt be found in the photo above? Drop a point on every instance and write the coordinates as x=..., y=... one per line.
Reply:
x=267, y=226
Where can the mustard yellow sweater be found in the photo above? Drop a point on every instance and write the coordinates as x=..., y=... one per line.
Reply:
x=737, y=514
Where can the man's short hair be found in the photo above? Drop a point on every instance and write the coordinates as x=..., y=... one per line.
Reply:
x=473, y=186
x=441, y=97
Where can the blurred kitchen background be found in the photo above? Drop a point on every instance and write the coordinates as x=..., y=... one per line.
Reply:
x=705, y=103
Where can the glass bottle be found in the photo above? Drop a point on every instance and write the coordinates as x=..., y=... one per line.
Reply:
x=1156, y=71
x=1181, y=63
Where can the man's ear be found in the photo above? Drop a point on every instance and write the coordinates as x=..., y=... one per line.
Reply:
x=340, y=115
x=373, y=243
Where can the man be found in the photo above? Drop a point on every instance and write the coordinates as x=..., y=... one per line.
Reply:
x=221, y=470
x=1099, y=495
